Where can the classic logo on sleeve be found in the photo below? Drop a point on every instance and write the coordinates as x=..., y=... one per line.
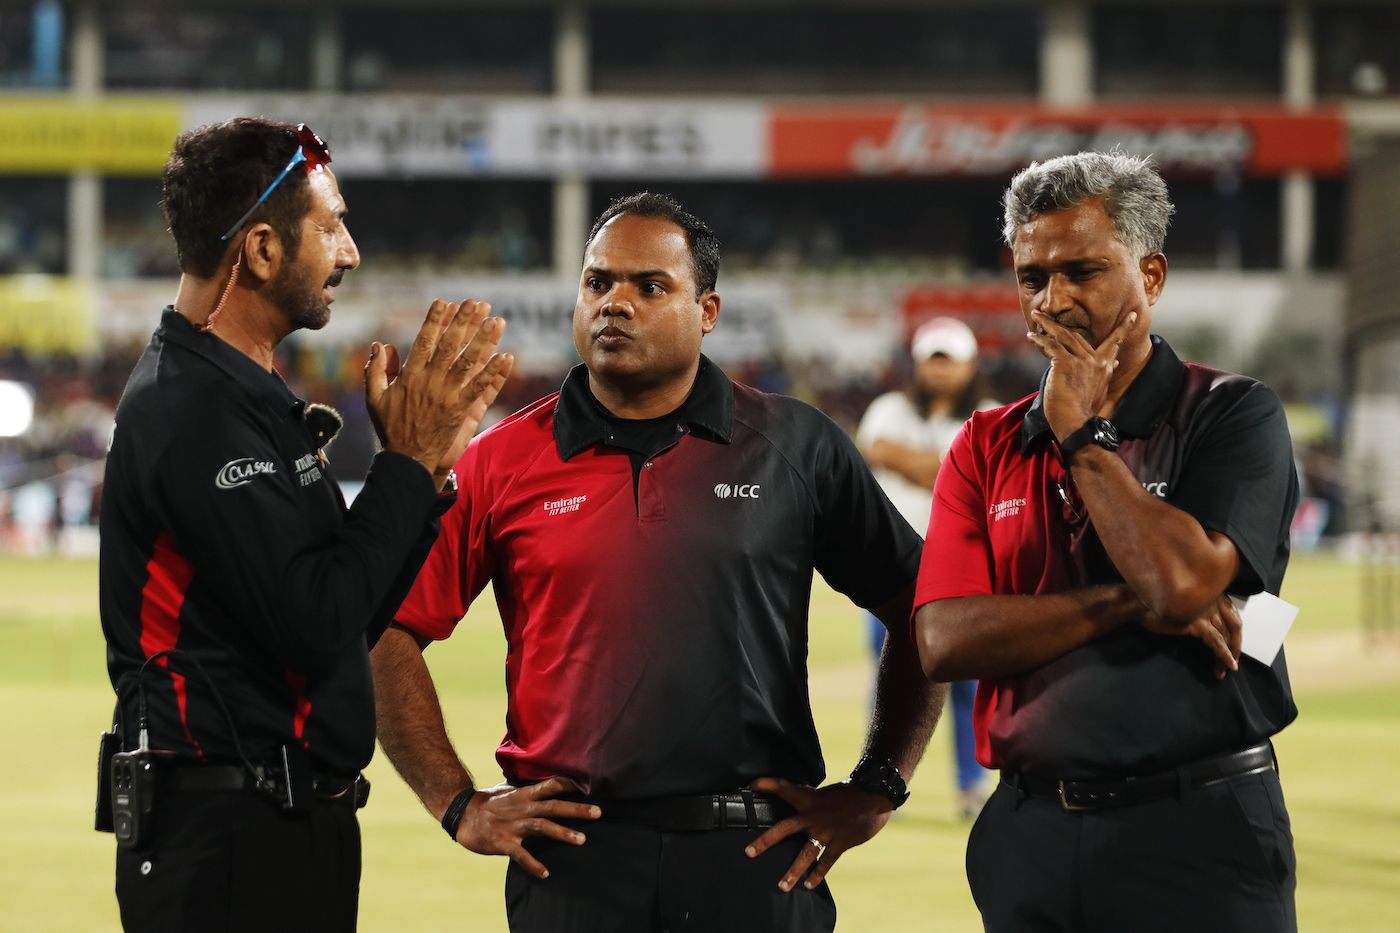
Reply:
x=241, y=472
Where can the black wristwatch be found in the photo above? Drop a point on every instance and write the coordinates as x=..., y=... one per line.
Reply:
x=1095, y=431
x=878, y=775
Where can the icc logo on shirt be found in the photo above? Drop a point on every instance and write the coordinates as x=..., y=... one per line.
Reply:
x=746, y=491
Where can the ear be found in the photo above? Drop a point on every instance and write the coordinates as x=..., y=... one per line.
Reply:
x=1154, y=276
x=709, y=311
x=262, y=252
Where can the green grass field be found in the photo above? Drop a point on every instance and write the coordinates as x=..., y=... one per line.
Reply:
x=1338, y=762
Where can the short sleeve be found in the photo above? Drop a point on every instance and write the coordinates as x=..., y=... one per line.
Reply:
x=957, y=557
x=459, y=565
x=864, y=547
x=1239, y=479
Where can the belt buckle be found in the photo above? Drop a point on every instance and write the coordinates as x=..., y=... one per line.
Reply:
x=1066, y=805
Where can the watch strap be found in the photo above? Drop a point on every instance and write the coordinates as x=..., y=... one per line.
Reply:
x=877, y=774
x=1096, y=430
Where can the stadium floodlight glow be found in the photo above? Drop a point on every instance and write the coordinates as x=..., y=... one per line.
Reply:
x=16, y=408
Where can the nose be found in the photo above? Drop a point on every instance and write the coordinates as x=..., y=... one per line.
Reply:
x=615, y=305
x=348, y=255
x=1055, y=296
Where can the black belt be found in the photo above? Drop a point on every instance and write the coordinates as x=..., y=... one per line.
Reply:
x=205, y=779
x=1076, y=795
x=693, y=813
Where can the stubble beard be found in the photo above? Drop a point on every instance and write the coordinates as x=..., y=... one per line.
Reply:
x=298, y=299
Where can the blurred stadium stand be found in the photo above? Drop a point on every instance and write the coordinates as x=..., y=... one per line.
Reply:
x=850, y=154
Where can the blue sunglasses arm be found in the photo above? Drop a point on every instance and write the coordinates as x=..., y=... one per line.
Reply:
x=298, y=156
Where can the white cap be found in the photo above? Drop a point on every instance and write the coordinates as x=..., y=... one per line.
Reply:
x=946, y=335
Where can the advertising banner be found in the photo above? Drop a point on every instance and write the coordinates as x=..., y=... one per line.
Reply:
x=447, y=136
x=999, y=139
x=57, y=135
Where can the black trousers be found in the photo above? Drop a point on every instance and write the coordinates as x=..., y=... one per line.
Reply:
x=234, y=861
x=634, y=879
x=1219, y=859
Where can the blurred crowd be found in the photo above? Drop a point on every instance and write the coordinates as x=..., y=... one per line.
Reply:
x=50, y=477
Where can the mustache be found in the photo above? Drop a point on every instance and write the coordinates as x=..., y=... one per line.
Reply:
x=335, y=278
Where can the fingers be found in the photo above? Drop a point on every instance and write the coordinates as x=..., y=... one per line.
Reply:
x=478, y=350
x=520, y=856
x=799, y=795
x=818, y=874
x=552, y=787
x=565, y=810
x=774, y=834
x=806, y=858
x=463, y=328
x=440, y=313
x=1066, y=338
x=1119, y=333
x=1234, y=628
x=551, y=830
x=376, y=373
x=391, y=364
x=1206, y=631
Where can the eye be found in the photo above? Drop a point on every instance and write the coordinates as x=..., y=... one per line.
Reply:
x=1084, y=275
x=1033, y=283
x=652, y=289
x=595, y=284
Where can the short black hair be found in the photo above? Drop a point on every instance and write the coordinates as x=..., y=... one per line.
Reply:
x=214, y=175
x=704, y=245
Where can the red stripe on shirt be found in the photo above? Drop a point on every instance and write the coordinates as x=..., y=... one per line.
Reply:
x=168, y=577
x=303, y=708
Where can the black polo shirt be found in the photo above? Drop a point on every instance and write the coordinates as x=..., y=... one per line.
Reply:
x=656, y=626
x=224, y=536
x=1211, y=443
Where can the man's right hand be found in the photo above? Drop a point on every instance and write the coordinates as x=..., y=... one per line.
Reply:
x=1219, y=629
x=429, y=408
x=498, y=819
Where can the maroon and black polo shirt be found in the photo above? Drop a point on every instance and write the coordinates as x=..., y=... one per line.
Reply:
x=1211, y=443
x=224, y=536
x=656, y=616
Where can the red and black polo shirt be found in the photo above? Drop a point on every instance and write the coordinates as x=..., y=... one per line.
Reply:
x=224, y=536
x=656, y=618
x=1211, y=443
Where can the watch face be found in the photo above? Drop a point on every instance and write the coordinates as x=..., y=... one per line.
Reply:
x=1106, y=435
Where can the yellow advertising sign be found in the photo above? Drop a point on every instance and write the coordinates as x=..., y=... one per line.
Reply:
x=46, y=314
x=114, y=136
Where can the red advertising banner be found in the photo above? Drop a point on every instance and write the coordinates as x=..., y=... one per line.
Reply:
x=998, y=139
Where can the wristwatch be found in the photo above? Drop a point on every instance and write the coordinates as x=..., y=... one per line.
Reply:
x=1095, y=431
x=878, y=775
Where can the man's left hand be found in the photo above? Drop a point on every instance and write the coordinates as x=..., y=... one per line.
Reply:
x=834, y=818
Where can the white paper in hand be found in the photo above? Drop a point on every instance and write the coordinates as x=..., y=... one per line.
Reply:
x=1265, y=619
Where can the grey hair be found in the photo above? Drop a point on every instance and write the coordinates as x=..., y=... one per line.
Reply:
x=1133, y=193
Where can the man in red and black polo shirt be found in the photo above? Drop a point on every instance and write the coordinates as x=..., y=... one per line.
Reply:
x=1082, y=545
x=650, y=532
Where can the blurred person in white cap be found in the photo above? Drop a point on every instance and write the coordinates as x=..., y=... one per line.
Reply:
x=904, y=435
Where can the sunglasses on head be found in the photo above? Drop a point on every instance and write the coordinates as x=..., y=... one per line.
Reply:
x=310, y=149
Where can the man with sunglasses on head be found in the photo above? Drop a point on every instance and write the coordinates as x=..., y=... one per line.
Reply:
x=1083, y=550
x=239, y=595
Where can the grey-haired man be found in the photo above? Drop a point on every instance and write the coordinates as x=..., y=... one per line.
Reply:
x=1082, y=549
